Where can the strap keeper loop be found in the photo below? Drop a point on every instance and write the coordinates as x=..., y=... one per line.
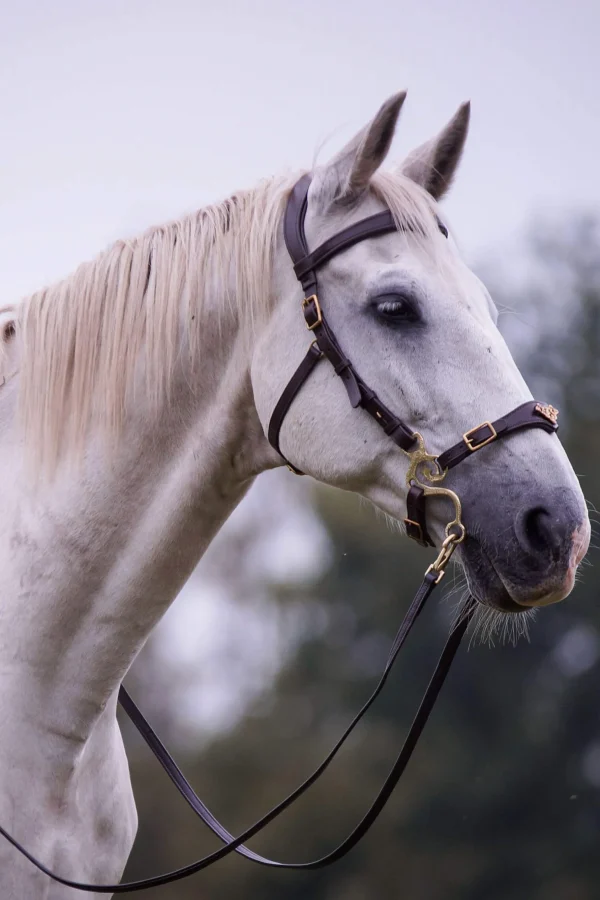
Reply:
x=342, y=366
x=312, y=312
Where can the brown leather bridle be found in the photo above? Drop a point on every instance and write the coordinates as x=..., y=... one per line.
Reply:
x=422, y=465
x=325, y=345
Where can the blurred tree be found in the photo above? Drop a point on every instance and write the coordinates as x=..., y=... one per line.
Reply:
x=502, y=798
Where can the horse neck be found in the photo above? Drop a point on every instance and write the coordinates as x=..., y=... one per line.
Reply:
x=90, y=561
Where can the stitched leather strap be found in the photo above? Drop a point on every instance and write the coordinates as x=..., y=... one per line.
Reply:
x=293, y=225
x=359, y=393
x=305, y=265
x=373, y=226
x=236, y=844
x=312, y=357
x=415, y=521
x=192, y=798
x=418, y=724
x=529, y=415
x=328, y=345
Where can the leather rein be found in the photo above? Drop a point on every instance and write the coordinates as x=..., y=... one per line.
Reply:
x=425, y=473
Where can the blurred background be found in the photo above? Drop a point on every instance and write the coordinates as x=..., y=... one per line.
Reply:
x=116, y=115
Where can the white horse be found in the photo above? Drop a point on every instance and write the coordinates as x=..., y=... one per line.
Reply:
x=133, y=410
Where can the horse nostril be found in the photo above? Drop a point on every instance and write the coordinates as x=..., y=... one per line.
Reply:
x=537, y=533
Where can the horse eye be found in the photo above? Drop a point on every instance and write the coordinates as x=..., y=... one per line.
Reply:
x=395, y=308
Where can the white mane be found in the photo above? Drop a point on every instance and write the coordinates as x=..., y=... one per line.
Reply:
x=82, y=339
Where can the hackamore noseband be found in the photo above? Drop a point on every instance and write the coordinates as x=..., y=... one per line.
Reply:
x=425, y=474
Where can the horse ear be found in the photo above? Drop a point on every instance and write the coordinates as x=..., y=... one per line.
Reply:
x=434, y=164
x=347, y=175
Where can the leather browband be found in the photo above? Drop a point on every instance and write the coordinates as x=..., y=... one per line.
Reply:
x=373, y=226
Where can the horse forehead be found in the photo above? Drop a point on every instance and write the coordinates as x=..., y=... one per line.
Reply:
x=398, y=260
x=319, y=225
x=382, y=260
x=452, y=284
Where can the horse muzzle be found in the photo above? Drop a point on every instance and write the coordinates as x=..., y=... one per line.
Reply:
x=531, y=564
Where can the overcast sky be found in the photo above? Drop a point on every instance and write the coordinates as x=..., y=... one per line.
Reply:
x=117, y=115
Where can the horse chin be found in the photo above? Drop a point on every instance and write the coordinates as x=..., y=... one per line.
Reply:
x=494, y=595
x=491, y=589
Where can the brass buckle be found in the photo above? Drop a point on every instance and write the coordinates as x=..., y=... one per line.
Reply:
x=416, y=525
x=471, y=442
x=313, y=299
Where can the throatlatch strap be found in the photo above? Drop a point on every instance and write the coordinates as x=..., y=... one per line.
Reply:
x=308, y=363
